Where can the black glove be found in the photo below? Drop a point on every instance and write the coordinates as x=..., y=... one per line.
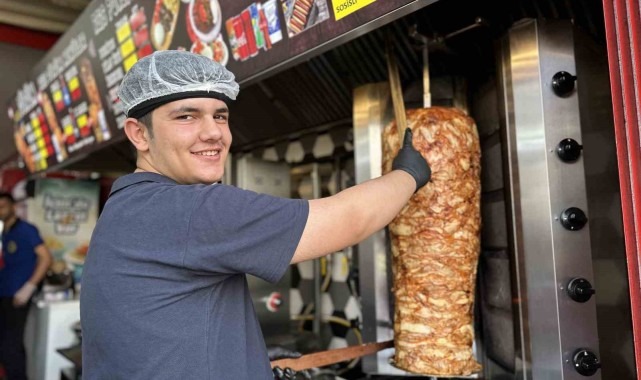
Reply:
x=410, y=160
x=290, y=374
x=284, y=374
x=279, y=352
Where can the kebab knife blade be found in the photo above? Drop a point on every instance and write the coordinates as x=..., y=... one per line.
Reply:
x=324, y=358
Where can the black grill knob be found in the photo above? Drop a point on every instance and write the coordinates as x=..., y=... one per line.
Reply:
x=573, y=218
x=563, y=83
x=580, y=289
x=569, y=150
x=585, y=362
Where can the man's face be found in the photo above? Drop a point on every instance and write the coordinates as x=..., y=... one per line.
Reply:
x=191, y=140
x=7, y=210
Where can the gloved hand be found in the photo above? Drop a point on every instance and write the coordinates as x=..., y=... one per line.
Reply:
x=284, y=374
x=279, y=352
x=290, y=374
x=410, y=160
x=23, y=295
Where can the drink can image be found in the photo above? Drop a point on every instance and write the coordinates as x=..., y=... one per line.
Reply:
x=241, y=38
x=253, y=12
x=233, y=43
x=273, y=23
x=264, y=30
x=249, y=32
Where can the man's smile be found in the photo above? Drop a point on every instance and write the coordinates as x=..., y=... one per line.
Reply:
x=213, y=152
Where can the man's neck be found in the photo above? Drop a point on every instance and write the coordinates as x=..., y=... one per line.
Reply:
x=10, y=222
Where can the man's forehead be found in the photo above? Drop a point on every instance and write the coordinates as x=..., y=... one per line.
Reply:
x=204, y=104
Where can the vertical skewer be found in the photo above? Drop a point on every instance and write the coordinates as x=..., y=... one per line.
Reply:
x=397, y=92
x=427, y=97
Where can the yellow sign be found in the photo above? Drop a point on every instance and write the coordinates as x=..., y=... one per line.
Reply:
x=123, y=32
x=343, y=8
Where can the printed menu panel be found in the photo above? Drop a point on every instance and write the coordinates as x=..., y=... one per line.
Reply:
x=65, y=212
x=69, y=105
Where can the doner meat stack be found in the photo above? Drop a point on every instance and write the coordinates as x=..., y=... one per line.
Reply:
x=435, y=246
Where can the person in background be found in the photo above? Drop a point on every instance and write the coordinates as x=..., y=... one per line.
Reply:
x=26, y=260
x=164, y=293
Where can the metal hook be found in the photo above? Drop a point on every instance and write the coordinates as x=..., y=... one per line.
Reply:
x=413, y=32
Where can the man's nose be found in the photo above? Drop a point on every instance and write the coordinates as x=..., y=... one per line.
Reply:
x=211, y=130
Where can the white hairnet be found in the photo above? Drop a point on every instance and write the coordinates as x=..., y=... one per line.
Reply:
x=169, y=75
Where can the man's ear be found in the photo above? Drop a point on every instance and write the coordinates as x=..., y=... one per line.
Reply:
x=137, y=133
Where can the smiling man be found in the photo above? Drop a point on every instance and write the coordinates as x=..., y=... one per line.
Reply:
x=164, y=292
x=190, y=143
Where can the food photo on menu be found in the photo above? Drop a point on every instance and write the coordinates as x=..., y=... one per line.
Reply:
x=96, y=114
x=301, y=15
x=204, y=23
x=163, y=23
x=138, y=25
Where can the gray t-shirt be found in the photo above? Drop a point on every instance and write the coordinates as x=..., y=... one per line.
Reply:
x=164, y=293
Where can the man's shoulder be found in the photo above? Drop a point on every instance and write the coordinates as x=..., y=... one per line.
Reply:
x=26, y=226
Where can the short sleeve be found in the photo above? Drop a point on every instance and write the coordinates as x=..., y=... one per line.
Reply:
x=34, y=236
x=238, y=231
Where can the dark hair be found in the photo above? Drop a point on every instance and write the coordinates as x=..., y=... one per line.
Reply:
x=8, y=196
x=146, y=120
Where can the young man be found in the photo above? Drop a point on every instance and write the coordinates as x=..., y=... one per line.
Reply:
x=26, y=260
x=164, y=292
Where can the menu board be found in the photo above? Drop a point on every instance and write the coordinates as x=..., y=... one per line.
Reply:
x=65, y=212
x=69, y=106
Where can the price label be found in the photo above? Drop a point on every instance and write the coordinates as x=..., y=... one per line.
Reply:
x=343, y=8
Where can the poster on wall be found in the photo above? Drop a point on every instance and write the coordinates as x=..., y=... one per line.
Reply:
x=69, y=105
x=65, y=212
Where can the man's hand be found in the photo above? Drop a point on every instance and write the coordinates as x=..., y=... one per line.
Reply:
x=283, y=374
x=290, y=374
x=410, y=160
x=280, y=352
x=23, y=295
x=277, y=353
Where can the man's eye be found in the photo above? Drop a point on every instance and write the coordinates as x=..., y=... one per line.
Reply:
x=221, y=118
x=184, y=117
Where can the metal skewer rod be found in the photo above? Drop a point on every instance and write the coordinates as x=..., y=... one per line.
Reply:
x=397, y=92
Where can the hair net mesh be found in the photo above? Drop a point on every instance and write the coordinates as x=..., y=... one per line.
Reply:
x=170, y=72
